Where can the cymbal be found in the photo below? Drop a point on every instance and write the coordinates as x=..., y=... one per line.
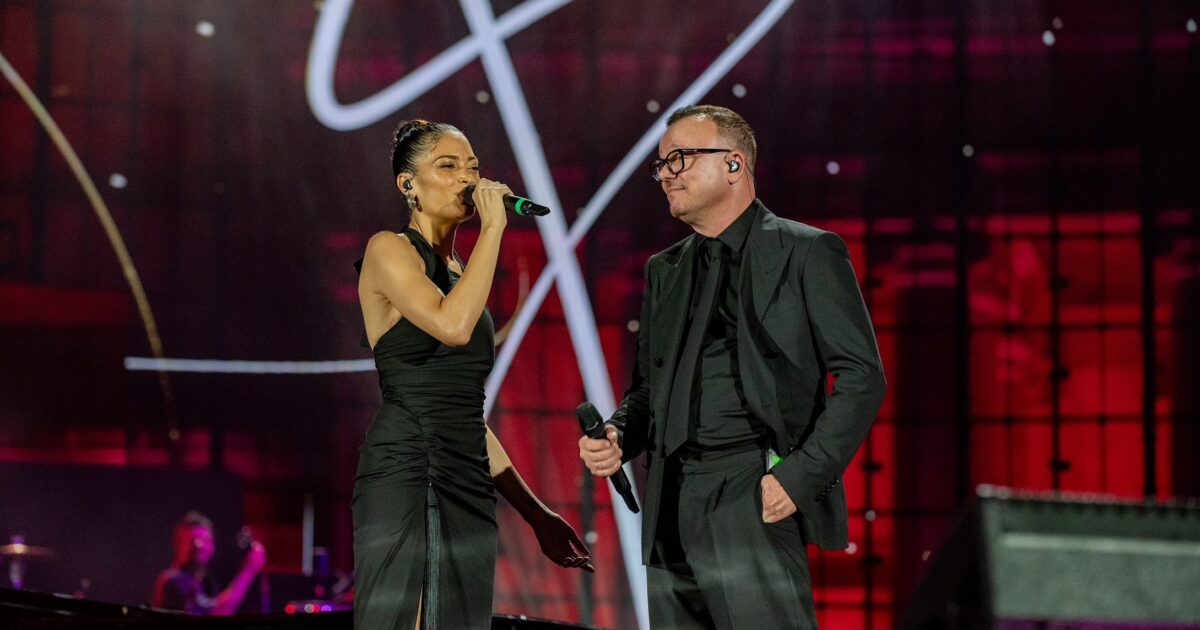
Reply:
x=23, y=550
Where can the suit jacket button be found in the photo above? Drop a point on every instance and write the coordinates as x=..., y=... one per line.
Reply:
x=651, y=413
x=770, y=354
x=658, y=362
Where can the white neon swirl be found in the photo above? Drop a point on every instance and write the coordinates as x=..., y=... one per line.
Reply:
x=327, y=40
x=211, y=366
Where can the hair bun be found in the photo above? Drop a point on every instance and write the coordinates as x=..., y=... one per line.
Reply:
x=407, y=128
x=412, y=137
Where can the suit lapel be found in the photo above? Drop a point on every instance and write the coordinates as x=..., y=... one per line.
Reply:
x=764, y=264
x=668, y=317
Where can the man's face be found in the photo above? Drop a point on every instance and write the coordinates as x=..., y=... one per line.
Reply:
x=702, y=184
x=195, y=546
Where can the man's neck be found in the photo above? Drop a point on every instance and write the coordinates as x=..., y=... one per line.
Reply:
x=719, y=220
x=191, y=567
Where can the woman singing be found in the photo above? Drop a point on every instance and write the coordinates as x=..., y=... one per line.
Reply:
x=424, y=508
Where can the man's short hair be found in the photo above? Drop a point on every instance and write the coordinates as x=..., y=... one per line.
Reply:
x=191, y=520
x=732, y=126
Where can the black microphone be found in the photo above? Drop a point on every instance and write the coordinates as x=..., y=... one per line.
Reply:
x=593, y=426
x=512, y=203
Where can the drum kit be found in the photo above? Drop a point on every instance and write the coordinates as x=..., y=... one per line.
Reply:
x=16, y=554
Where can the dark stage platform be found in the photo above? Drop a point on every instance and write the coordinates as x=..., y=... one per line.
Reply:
x=26, y=610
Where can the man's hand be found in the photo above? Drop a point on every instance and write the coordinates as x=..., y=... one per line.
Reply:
x=228, y=601
x=256, y=558
x=602, y=457
x=777, y=505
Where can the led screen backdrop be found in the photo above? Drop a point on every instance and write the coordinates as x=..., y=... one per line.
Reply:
x=1017, y=181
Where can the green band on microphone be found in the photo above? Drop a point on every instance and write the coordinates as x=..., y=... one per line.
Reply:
x=519, y=208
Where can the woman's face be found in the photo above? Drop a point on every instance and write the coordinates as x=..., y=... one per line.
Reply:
x=441, y=175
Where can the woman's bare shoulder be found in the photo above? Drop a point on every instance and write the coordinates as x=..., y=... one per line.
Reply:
x=389, y=247
x=385, y=239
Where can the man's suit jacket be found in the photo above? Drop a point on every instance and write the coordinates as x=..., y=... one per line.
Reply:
x=801, y=317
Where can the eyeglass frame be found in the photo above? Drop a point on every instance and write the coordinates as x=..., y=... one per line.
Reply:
x=657, y=164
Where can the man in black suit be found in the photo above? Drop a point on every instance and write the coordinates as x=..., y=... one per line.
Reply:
x=742, y=322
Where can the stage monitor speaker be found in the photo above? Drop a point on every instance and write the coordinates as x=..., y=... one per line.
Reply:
x=1018, y=560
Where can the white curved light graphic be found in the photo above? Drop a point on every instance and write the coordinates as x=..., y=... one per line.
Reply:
x=327, y=39
x=486, y=42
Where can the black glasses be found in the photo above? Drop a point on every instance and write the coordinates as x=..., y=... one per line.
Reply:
x=677, y=162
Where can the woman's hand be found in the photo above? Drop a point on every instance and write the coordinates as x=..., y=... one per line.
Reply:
x=560, y=543
x=557, y=539
x=489, y=202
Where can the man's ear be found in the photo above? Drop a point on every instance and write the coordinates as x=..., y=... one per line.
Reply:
x=735, y=163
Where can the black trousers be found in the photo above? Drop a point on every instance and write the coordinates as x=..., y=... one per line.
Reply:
x=715, y=563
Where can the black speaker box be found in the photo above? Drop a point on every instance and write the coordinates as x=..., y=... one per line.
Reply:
x=1017, y=560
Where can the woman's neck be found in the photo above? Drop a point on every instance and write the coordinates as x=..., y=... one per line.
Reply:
x=440, y=236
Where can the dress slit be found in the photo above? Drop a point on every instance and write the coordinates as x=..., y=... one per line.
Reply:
x=433, y=549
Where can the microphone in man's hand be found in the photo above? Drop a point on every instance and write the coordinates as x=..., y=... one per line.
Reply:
x=512, y=203
x=593, y=426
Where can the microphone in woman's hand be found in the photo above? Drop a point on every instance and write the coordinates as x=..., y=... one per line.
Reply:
x=512, y=203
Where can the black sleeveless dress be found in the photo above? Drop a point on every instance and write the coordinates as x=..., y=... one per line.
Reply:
x=424, y=506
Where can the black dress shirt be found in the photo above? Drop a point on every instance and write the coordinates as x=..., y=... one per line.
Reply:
x=720, y=416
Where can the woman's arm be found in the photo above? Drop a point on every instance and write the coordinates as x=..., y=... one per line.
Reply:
x=392, y=268
x=556, y=537
x=511, y=486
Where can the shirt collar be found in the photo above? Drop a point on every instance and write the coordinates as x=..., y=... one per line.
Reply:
x=734, y=236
